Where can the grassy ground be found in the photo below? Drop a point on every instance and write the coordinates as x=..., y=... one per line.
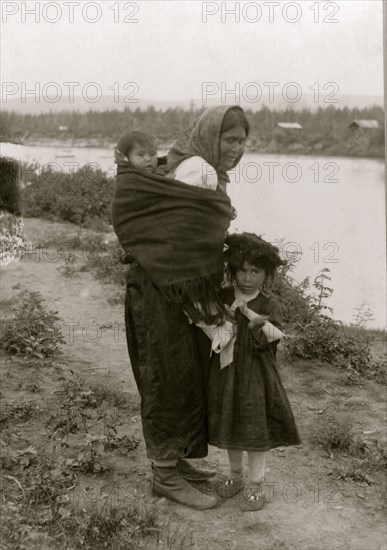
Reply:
x=74, y=472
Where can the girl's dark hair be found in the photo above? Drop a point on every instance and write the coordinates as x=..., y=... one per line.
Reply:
x=128, y=140
x=248, y=247
x=235, y=117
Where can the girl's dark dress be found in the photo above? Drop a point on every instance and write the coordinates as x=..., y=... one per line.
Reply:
x=247, y=404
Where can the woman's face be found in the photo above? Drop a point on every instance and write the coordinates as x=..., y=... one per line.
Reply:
x=232, y=144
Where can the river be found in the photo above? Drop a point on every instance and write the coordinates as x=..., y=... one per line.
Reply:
x=330, y=210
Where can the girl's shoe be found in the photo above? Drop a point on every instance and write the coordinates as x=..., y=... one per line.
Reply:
x=230, y=487
x=254, y=498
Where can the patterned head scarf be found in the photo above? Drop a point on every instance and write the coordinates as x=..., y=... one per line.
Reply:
x=202, y=139
x=12, y=241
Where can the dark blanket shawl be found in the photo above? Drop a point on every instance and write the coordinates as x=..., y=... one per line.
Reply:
x=175, y=232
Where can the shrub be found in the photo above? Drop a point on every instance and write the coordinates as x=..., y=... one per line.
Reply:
x=327, y=339
x=121, y=527
x=337, y=433
x=301, y=302
x=106, y=391
x=109, y=265
x=311, y=334
x=362, y=469
x=21, y=412
x=79, y=198
x=296, y=304
x=32, y=332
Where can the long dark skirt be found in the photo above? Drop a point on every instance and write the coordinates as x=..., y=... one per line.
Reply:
x=165, y=356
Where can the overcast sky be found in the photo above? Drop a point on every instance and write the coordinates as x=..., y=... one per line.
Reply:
x=171, y=51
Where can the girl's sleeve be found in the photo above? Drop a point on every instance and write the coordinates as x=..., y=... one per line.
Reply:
x=274, y=314
x=197, y=172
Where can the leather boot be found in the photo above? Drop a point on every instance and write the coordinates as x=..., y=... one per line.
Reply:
x=168, y=483
x=190, y=472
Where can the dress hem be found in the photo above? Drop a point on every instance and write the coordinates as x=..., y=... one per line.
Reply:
x=252, y=449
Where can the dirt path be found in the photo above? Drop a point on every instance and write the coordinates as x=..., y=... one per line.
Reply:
x=308, y=509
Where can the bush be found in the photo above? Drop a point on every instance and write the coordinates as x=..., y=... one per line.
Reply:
x=78, y=198
x=32, y=332
x=313, y=335
x=296, y=304
x=109, y=264
x=337, y=433
x=327, y=339
x=362, y=469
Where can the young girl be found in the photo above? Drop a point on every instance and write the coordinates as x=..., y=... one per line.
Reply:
x=247, y=404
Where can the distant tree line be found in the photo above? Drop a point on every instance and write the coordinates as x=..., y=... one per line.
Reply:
x=324, y=131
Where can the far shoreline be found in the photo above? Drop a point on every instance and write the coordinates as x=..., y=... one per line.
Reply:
x=97, y=144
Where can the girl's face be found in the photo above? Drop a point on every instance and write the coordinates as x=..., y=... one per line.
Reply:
x=232, y=144
x=250, y=278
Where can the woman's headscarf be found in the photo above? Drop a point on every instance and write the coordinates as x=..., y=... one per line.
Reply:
x=202, y=139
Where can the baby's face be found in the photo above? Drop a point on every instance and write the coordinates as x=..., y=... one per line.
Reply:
x=143, y=157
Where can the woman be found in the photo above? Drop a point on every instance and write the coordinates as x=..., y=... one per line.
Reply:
x=210, y=148
x=175, y=233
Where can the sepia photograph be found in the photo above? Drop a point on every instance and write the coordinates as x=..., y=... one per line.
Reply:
x=193, y=275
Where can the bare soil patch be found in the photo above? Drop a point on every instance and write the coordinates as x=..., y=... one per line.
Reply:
x=311, y=506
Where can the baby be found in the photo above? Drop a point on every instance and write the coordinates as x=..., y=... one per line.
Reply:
x=140, y=149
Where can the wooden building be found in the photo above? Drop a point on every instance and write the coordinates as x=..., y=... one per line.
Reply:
x=364, y=124
x=289, y=125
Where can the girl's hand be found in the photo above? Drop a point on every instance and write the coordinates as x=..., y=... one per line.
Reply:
x=241, y=304
x=253, y=317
